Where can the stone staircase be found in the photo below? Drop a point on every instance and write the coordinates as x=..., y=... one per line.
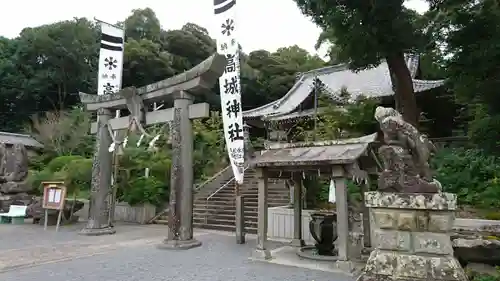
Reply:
x=214, y=206
x=215, y=209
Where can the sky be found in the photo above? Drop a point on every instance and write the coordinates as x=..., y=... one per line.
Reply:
x=262, y=24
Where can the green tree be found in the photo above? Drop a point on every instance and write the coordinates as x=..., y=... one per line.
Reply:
x=367, y=32
x=143, y=24
x=466, y=32
x=63, y=133
x=57, y=64
x=275, y=73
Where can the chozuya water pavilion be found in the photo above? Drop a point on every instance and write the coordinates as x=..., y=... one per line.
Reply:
x=336, y=159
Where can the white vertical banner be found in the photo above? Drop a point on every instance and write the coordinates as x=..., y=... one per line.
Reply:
x=110, y=59
x=230, y=88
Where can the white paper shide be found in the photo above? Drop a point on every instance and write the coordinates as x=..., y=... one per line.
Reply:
x=110, y=59
x=230, y=88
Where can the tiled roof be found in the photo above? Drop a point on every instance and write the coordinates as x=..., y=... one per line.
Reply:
x=26, y=140
x=373, y=82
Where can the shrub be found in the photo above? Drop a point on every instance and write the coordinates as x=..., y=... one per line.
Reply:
x=35, y=179
x=74, y=171
x=58, y=163
x=471, y=174
x=143, y=190
x=78, y=174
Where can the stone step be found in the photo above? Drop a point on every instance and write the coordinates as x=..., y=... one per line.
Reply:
x=226, y=216
x=230, y=228
x=248, y=212
x=223, y=222
x=223, y=210
x=223, y=217
x=231, y=201
x=231, y=204
x=223, y=201
x=248, y=194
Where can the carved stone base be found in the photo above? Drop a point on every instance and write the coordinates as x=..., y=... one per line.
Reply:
x=179, y=244
x=345, y=266
x=97, y=231
x=389, y=265
x=298, y=243
x=261, y=254
x=412, y=237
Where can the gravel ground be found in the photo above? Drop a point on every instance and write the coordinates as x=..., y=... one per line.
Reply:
x=122, y=259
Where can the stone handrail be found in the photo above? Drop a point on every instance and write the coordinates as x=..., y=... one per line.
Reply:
x=226, y=184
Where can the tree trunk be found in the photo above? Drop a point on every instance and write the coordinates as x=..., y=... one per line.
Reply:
x=403, y=85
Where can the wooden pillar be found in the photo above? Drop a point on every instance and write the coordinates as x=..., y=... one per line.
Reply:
x=366, y=216
x=343, y=262
x=297, y=212
x=240, y=219
x=261, y=252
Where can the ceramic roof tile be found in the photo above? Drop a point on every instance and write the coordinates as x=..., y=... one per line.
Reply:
x=373, y=82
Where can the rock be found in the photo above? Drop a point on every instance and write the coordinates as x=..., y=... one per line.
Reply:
x=13, y=169
x=475, y=269
x=36, y=211
x=14, y=199
x=477, y=250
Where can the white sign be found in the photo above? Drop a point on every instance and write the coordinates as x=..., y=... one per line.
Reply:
x=110, y=59
x=55, y=196
x=230, y=88
x=331, y=192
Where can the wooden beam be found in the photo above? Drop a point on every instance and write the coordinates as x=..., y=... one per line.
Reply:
x=198, y=110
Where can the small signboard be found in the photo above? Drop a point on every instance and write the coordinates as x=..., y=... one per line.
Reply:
x=54, y=195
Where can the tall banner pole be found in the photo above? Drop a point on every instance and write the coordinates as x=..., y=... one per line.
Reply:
x=230, y=96
x=110, y=81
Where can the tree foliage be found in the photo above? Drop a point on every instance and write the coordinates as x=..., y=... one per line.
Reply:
x=467, y=35
x=44, y=68
x=366, y=32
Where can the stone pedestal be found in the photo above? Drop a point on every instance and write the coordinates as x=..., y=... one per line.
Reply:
x=412, y=237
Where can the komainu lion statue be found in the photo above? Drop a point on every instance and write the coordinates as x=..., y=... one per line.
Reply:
x=405, y=155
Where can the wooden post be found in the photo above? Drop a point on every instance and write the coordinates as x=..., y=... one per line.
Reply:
x=343, y=263
x=45, y=223
x=297, y=212
x=366, y=216
x=240, y=219
x=261, y=252
x=59, y=216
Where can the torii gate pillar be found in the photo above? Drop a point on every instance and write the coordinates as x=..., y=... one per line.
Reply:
x=98, y=223
x=180, y=220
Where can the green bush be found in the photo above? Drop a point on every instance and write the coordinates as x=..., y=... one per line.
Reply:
x=78, y=174
x=471, y=174
x=143, y=190
x=35, y=178
x=58, y=163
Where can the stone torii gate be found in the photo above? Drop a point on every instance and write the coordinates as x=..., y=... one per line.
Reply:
x=182, y=89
